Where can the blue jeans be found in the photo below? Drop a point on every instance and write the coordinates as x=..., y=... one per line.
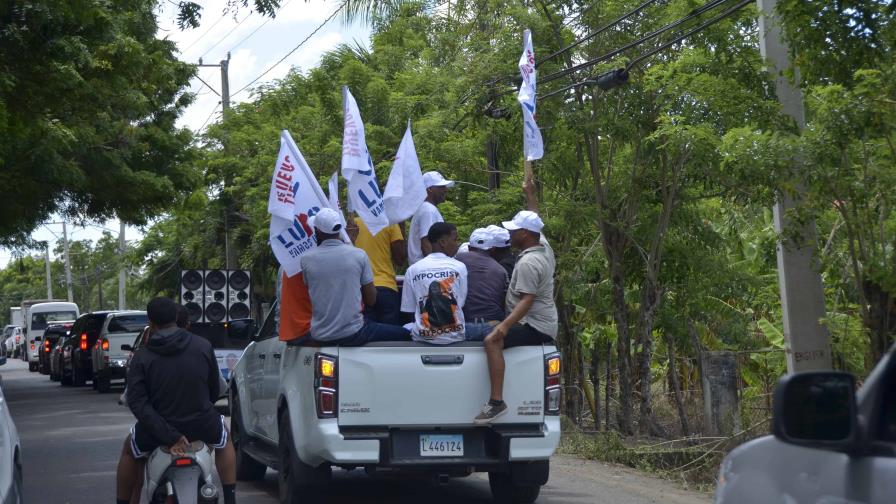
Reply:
x=372, y=332
x=478, y=331
x=387, y=307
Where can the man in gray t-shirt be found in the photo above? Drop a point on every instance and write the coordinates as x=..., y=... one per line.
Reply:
x=486, y=280
x=339, y=280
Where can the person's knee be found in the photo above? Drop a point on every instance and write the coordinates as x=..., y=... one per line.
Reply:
x=126, y=448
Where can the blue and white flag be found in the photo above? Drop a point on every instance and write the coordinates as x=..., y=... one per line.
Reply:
x=295, y=197
x=364, y=195
x=533, y=148
x=405, y=191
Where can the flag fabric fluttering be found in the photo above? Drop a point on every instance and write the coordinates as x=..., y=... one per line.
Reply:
x=405, y=191
x=295, y=197
x=333, y=191
x=533, y=148
x=364, y=195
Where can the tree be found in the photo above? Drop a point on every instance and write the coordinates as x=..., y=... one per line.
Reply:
x=88, y=103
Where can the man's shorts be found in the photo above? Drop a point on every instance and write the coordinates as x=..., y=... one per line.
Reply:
x=211, y=432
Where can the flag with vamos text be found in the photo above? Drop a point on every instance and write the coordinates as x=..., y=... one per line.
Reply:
x=533, y=148
x=295, y=197
x=364, y=194
x=405, y=191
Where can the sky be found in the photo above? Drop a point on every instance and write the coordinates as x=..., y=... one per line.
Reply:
x=217, y=34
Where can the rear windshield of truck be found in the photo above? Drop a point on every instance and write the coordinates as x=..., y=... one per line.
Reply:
x=218, y=336
x=128, y=323
x=40, y=321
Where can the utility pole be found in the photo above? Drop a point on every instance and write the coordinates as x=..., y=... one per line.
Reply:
x=122, y=274
x=229, y=247
x=802, y=294
x=68, y=264
x=49, y=275
x=99, y=286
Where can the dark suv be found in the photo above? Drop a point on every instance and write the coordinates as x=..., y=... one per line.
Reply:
x=77, y=368
x=51, y=337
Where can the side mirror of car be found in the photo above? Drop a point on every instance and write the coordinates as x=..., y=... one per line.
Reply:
x=817, y=410
x=127, y=348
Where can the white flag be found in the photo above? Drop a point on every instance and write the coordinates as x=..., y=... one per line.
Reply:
x=364, y=194
x=533, y=148
x=404, y=191
x=291, y=235
x=333, y=191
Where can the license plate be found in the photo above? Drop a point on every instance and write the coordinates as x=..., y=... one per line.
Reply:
x=441, y=445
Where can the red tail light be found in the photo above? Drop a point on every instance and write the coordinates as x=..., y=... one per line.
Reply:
x=84, y=342
x=105, y=344
x=47, y=346
x=181, y=462
x=326, y=385
x=552, y=384
x=32, y=346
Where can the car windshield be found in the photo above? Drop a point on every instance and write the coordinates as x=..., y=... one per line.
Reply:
x=128, y=323
x=40, y=321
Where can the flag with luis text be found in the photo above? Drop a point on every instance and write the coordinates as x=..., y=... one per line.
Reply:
x=364, y=195
x=533, y=148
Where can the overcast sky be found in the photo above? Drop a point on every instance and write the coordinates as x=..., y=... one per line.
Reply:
x=217, y=34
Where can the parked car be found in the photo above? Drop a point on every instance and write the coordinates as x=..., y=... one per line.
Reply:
x=56, y=357
x=51, y=337
x=11, y=483
x=77, y=368
x=110, y=352
x=12, y=338
x=830, y=444
x=40, y=316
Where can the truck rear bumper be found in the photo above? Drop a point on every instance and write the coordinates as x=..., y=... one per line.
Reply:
x=485, y=448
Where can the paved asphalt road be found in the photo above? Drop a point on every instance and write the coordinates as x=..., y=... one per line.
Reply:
x=71, y=438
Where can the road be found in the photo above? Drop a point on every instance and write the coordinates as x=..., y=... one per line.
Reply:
x=71, y=438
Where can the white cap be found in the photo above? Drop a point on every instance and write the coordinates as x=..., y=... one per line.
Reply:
x=525, y=219
x=500, y=237
x=480, y=238
x=464, y=247
x=328, y=221
x=434, y=178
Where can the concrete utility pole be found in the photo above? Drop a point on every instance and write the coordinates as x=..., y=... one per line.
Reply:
x=229, y=247
x=802, y=294
x=122, y=274
x=68, y=264
x=49, y=275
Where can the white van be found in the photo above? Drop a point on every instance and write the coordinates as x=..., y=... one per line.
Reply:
x=39, y=317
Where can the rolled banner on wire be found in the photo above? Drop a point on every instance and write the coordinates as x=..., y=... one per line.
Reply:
x=533, y=148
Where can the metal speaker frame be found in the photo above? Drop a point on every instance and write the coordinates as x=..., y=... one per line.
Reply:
x=215, y=309
x=239, y=294
x=192, y=292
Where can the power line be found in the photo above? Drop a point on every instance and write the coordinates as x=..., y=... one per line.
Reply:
x=222, y=39
x=612, y=54
x=294, y=49
x=268, y=20
x=206, y=32
x=209, y=118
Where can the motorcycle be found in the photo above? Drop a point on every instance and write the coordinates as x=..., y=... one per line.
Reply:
x=187, y=479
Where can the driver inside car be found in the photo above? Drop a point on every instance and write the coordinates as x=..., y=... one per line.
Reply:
x=173, y=382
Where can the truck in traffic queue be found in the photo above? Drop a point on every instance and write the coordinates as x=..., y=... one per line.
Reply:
x=392, y=407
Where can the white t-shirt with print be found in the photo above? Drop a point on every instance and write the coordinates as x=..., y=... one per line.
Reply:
x=435, y=289
x=423, y=219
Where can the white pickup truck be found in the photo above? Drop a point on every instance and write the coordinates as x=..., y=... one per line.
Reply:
x=392, y=408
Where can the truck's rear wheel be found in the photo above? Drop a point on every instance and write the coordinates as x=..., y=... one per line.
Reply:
x=32, y=366
x=78, y=378
x=296, y=480
x=103, y=384
x=247, y=468
x=505, y=491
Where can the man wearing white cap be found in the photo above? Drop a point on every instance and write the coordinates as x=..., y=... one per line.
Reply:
x=339, y=278
x=486, y=280
x=500, y=251
x=532, y=314
x=427, y=215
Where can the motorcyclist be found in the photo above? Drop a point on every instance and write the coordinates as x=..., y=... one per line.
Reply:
x=172, y=384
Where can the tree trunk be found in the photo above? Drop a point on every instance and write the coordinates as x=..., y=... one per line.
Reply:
x=608, y=393
x=649, y=303
x=881, y=318
x=676, y=387
x=570, y=347
x=595, y=382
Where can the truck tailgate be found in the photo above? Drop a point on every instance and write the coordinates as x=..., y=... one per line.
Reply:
x=115, y=342
x=424, y=385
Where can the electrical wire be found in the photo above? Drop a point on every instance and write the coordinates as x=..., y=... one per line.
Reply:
x=209, y=118
x=702, y=26
x=597, y=32
x=222, y=39
x=204, y=34
x=652, y=35
x=294, y=49
x=266, y=21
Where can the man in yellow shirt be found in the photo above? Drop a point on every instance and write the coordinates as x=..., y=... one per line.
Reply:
x=385, y=250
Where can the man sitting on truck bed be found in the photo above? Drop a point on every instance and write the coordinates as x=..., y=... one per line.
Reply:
x=339, y=277
x=532, y=318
